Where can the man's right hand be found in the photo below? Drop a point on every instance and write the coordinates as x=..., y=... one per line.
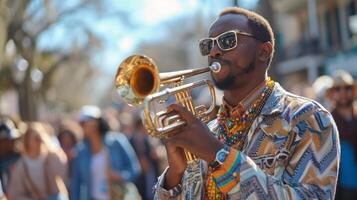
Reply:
x=177, y=164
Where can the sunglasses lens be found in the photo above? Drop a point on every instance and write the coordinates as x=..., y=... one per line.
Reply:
x=206, y=46
x=227, y=40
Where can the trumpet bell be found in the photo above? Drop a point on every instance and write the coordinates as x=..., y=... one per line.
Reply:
x=136, y=78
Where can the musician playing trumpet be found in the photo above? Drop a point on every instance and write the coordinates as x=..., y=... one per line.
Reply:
x=265, y=143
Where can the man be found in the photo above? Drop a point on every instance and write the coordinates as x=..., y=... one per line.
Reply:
x=341, y=94
x=102, y=160
x=265, y=142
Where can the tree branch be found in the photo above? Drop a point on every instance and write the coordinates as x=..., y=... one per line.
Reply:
x=50, y=22
x=45, y=85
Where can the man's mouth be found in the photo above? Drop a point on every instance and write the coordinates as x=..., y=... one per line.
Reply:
x=215, y=67
x=222, y=62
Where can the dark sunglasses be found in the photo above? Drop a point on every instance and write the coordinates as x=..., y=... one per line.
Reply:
x=346, y=88
x=226, y=41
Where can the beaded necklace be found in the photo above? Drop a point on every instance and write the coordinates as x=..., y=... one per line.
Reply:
x=232, y=131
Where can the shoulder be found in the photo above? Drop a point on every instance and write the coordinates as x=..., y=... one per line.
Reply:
x=82, y=145
x=19, y=166
x=300, y=105
x=57, y=156
x=288, y=112
x=295, y=107
x=308, y=118
x=116, y=138
x=82, y=149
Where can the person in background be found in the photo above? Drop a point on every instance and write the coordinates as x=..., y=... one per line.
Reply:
x=9, y=154
x=41, y=172
x=69, y=134
x=148, y=158
x=111, y=115
x=341, y=95
x=320, y=86
x=101, y=159
x=126, y=120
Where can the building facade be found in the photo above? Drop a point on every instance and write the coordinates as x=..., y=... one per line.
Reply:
x=315, y=37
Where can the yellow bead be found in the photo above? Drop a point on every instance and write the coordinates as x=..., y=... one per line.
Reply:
x=235, y=175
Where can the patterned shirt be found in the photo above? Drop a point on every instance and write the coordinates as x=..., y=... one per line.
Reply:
x=291, y=152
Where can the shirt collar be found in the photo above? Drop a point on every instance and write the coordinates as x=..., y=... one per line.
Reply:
x=275, y=102
x=246, y=102
x=273, y=105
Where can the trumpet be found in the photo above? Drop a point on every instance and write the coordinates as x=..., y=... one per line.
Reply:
x=138, y=83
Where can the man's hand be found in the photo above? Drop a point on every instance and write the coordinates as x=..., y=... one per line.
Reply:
x=195, y=137
x=177, y=165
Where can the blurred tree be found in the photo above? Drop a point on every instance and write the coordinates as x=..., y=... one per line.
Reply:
x=30, y=69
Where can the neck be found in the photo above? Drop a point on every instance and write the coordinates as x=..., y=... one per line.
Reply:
x=95, y=144
x=233, y=97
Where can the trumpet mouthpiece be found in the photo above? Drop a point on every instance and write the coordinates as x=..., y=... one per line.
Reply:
x=215, y=67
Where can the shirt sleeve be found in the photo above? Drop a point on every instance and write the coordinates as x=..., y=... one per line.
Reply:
x=311, y=171
x=162, y=193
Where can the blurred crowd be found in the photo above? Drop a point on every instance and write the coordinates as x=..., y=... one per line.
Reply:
x=96, y=154
x=106, y=154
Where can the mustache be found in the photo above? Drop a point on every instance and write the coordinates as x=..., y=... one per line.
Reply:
x=221, y=61
x=245, y=70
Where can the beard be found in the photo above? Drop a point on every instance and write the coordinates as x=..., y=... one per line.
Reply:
x=344, y=103
x=228, y=82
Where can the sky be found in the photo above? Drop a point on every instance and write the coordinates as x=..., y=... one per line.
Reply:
x=138, y=21
x=121, y=26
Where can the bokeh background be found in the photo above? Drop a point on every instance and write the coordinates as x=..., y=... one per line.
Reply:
x=56, y=55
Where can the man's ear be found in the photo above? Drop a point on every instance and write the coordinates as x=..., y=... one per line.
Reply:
x=265, y=51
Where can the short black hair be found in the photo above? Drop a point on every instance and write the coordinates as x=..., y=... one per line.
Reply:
x=261, y=28
x=103, y=126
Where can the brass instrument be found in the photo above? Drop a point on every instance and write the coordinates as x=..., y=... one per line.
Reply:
x=138, y=83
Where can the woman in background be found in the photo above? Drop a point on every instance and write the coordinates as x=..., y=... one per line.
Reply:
x=104, y=161
x=41, y=171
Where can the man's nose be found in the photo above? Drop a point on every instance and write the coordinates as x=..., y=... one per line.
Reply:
x=215, y=51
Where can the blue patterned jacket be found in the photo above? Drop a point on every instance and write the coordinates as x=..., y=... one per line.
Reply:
x=291, y=151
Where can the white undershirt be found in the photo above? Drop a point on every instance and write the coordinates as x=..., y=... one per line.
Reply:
x=36, y=172
x=98, y=169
